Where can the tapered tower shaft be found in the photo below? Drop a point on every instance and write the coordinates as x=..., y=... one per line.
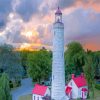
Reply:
x=58, y=70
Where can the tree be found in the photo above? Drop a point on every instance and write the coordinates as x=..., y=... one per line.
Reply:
x=4, y=88
x=39, y=65
x=89, y=71
x=74, y=58
x=24, y=54
x=2, y=96
x=10, y=62
x=97, y=64
x=96, y=56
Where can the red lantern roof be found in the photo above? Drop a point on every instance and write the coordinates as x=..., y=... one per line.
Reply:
x=39, y=89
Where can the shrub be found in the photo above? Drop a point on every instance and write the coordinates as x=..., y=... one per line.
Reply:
x=11, y=85
x=97, y=86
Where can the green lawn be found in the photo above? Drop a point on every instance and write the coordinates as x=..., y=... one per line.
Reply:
x=97, y=95
x=26, y=97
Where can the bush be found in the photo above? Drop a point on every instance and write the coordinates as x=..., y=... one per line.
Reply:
x=11, y=85
x=97, y=86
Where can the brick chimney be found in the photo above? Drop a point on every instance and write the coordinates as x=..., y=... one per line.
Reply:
x=73, y=76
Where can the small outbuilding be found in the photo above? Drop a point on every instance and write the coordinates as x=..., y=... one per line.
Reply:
x=77, y=87
x=40, y=91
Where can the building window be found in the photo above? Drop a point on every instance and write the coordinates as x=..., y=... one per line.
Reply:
x=71, y=83
x=38, y=98
x=85, y=93
x=34, y=97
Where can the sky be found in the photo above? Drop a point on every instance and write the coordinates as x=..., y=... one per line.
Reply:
x=28, y=23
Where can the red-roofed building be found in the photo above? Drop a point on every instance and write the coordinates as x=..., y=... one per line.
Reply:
x=68, y=91
x=39, y=91
x=77, y=87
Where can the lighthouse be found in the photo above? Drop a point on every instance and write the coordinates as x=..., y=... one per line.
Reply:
x=58, y=70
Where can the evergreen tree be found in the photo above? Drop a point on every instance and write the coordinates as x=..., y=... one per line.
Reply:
x=4, y=88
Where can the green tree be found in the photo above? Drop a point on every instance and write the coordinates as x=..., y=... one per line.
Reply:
x=74, y=58
x=39, y=65
x=2, y=96
x=89, y=71
x=4, y=88
x=97, y=64
x=24, y=55
x=10, y=62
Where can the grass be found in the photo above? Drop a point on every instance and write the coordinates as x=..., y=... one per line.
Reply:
x=96, y=95
x=29, y=97
x=26, y=97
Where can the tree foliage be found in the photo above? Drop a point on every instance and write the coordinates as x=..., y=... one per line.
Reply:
x=74, y=58
x=97, y=64
x=89, y=70
x=10, y=62
x=39, y=65
x=4, y=88
x=24, y=56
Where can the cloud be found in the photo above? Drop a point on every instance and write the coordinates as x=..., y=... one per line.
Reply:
x=94, y=4
x=41, y=31
x=15, y=37
x=66, y=3
x=12, y=32
x=91, y=42
x=80, y=19
x=27, y=8
x=2, y=22
x=82, y=25
x=30, y=21
x=5, y=9
x=5, y=6
x=47, y=39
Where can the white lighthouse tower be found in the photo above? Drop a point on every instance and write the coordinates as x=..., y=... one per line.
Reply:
x=58, y=70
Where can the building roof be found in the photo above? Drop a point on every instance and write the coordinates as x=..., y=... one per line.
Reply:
x=39, y=89
x=80, y=81
x=68, y=89
x=84, y=89
x=58, y=12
